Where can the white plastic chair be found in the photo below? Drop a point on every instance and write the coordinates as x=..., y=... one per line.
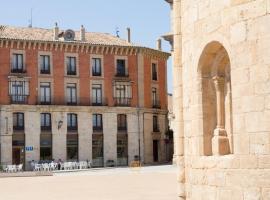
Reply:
x=45, y=167
x=37, y=167
x=19, y=168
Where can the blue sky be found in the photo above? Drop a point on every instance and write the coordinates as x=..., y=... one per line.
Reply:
x=148, y=19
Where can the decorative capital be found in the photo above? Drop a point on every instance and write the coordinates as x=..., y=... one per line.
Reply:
x=219, y=82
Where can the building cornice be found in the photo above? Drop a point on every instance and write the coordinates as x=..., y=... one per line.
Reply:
x=81, y=47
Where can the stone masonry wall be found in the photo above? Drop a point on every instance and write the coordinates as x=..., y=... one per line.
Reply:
x=242, y=28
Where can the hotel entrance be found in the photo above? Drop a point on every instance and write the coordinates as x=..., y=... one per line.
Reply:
x=18, y=151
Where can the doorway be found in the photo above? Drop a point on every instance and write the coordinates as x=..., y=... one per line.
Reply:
x=17, y=155
x=155, y=150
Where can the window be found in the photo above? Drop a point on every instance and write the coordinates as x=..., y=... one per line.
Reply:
x=155, y=124
x=155, y=101
x=18, y=121
x=45, y=93
x=17, y=63
x=154, y=71
x=122, y=94
x=46, y=147
x=45, y=122
x=96, y=66
x=97, y=150
x=45, y=67
x=97, y=122
x=71, y=66
x=72, y=147
x=121, y=122
x=71, y=94
x=122, y=150
x=121, y=68
x=18, y=91
x=72, y=123
x=96, y=94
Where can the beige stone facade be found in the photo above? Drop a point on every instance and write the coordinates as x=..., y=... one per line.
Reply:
x=136, y=133
x=221, y=92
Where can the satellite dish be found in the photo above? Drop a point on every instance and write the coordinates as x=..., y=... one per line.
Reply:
x=69, y=35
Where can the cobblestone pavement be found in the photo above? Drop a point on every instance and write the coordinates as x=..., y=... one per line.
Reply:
x=148, y=183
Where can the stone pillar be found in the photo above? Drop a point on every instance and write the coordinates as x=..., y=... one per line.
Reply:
x=133, y=136
x=220, y=141
x=178, y=97
x=110, y=137
x=6, y=137
x=32, y=137
x=85, y=131
x=59, y=137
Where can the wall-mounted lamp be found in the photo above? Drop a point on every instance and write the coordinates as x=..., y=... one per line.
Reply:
x=60, y=123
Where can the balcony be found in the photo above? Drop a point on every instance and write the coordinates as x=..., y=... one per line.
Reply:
x=122, y=129
x=18, y=128
x=72, y=73
x=43, y=71
x=156, y=129
x=121, y=74
x=72, y=103
x=97, y=128
x=119, y=101
x=156, y=104
x=95, y=102
x=96, y=73
x=72, y=128
x=46, y=128
x=154, y=76
x=18, y=71
x=19, y=99
x=45, y=102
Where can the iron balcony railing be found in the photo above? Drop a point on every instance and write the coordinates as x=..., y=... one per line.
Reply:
x=45, y=71
x=121, y=73
x=82, y=101
x=154, y=76
x=96, y=73
x=97, y=128
x=18, y=99
x=100, y=102
x=46, y=128
x=18, y=128
x=120, y=101
x=72, y=128
x=156, y=129
x=156, y=104
x=122, y=128
x=71, y=73
x=17, y=69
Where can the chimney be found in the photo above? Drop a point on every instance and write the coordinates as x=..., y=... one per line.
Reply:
x=128, y=35
x=55, y=31
x=82, y=33
x=159, y=44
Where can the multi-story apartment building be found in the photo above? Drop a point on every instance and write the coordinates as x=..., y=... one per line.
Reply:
x=80, y=96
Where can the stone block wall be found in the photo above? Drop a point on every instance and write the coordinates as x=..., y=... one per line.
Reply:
x=241, y=27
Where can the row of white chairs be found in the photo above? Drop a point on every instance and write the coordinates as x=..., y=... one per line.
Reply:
x=63, y=166
x=13, y=168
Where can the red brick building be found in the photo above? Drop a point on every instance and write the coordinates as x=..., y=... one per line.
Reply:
x=77, y=95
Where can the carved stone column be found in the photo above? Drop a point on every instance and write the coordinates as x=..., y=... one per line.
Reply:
x=220, y=141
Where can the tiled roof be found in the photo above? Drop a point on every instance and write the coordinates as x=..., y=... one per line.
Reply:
x=41, y=34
